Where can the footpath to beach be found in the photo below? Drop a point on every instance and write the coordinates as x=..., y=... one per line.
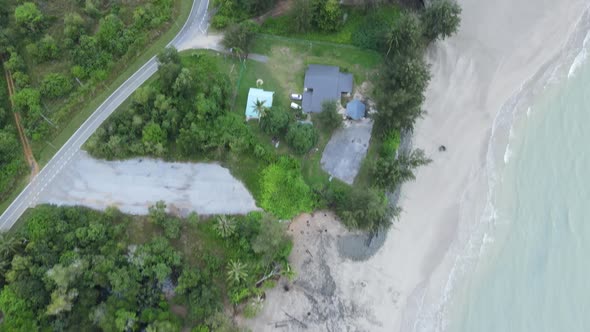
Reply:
x=501, y=44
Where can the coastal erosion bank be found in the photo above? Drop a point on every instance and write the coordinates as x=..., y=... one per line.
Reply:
x=405, y=286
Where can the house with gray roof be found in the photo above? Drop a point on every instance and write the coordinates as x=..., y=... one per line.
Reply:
x=323, y=83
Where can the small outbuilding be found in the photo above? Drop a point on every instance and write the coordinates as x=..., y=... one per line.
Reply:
x=355, y=109
x=255, y=95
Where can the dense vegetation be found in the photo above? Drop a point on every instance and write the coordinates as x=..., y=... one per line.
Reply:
x=61, y=53
x=12, y=163
x=68, y=268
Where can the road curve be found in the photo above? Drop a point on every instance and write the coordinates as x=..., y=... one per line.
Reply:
x=195, y=27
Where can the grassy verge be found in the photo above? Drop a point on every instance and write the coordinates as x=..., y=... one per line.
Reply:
x=283, y=26
x=288, y=58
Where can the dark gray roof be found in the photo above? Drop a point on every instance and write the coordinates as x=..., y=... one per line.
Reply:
x=355, y=109
x=326, y=83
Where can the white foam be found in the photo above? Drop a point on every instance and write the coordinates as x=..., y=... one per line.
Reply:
x=580, y=58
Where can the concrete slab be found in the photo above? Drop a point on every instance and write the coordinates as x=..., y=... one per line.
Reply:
x=133, y=185
x=346, y=150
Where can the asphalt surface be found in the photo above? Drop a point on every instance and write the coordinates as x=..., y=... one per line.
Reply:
x=195, y=28
x=133, y=185
x=345, y=151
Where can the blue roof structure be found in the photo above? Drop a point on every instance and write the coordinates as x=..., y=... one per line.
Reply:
x=254, y=95
x=355, y=109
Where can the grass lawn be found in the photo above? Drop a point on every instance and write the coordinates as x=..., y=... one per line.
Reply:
x=282, y=26
x=288, y=58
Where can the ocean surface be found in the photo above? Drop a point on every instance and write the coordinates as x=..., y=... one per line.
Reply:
x=532, y=273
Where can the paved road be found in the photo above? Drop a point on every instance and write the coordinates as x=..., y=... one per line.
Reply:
x=193, y=30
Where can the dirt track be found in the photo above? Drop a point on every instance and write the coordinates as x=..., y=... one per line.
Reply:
x=28, y=152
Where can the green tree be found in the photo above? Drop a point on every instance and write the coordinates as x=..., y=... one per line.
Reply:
x=171, y=227
x=328, y=118
x=47, y=48
x=441, y=19
x=403, y=37
x=110, y=35
x=260, y=108
x=153, y=134
x=8, y=244
x=17, y=313
x=74, y=26
x=28, y=100
x=302, y=137
x=237, y=37
x=157, y=212
x=366, y=209
x=28, y=16
x=9, y=150
x=302, y=13
x=184, y=83
x=236, y=271
x=328, y=16
x=390, y=172
x=272, y=241
x=275, y=121
x=169, y=67
x=407, y=78
x=15, y=62
x=56, y=85
x=225, y=226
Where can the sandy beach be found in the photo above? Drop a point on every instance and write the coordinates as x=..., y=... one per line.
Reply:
x=500, y=46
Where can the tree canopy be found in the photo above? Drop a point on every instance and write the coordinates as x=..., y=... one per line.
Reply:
x=441, y=19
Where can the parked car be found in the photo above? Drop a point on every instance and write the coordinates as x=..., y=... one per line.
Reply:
x=296, y=96
x=295, y=106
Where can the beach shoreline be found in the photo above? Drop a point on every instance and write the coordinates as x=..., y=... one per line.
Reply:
x=405, y=286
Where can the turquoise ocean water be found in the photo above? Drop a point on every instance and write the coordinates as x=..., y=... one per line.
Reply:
x=534, y=272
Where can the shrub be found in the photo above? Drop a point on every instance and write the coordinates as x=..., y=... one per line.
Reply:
x=284, y=192
x=55, y=85
x=302, y=137
x=366, y=209
x=328, y=15
x=47, y=48
x=275, y=121
x=28, y=16
x=329, y=119
x=390, y=172
x=390, y=144
x=220, y=21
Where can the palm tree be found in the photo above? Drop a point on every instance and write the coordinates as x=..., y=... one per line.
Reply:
x=260, y=108
x=8, y=244
x=236, y=271
x=225, y=226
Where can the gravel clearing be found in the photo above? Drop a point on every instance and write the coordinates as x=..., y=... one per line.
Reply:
x=133, y=185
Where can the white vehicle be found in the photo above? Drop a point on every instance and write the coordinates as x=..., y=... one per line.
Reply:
x=296, y=96
x=295, y=106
